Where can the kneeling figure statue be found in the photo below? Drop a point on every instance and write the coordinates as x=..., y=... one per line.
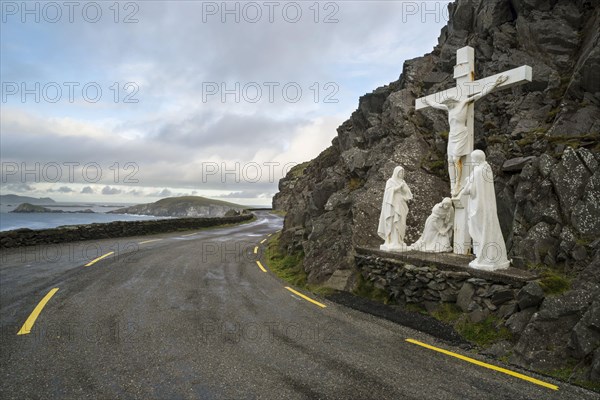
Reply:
x=438, y=229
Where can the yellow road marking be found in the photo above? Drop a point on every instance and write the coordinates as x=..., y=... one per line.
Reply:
x=261, y=266
x=485, y=365
x=28, y=325
x=256, y=250
x=149, y=241
x=262, y=241
x=305, y=297
x=191, y=234
x=269, y=235
x=95, y=260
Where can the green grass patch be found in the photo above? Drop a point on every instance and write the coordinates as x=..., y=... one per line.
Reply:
x=576, y=141
x=280, y=213
x=448, y=313
x=437, y=166
x=320, y=290
x=554, y=283
x=585, y=241
x=483, y=333
x=526, y=141
x=416, y=308
x=570, y=373
x=552, y=114
x=355, y=183
x=531, y=136
x=496, y=139
x=565, y=373
x=506, y=358
x=289, y=267
x=434, y=165
x=367, y=290
x=286, y=266
x=591, y=385
x=298, y=170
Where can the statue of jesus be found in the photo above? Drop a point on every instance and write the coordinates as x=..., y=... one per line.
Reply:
x=460, y=142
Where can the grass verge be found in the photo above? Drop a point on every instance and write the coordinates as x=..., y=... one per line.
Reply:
x=289, y=267
x=570, y=373
x=484, y=333
x=552, y=281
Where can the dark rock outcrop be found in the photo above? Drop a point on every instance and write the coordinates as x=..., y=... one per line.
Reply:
x=541, y=139
x=530, y=296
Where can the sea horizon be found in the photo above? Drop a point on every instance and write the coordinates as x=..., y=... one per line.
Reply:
x=11, y=221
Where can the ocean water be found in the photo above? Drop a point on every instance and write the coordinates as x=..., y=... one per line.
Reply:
x=9, y=221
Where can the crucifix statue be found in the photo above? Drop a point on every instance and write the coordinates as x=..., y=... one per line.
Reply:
x=460, y=142
x=459, y=103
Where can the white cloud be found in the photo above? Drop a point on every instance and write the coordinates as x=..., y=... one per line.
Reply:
x=107, y=190
x=172, y=135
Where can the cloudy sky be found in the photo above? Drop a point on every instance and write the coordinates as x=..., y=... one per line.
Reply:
x=135, y=101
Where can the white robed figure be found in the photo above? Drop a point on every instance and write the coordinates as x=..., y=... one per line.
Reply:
x=484, y=227
x=392, y=221
x=438, y=229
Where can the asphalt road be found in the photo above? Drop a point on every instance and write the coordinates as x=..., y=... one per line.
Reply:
x=192, y=316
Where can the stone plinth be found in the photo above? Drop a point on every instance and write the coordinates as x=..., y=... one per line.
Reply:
x=432, y=278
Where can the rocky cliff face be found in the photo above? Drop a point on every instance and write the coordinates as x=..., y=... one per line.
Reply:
x=542, y=140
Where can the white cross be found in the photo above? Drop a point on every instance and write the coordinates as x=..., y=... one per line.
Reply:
x=461, y=120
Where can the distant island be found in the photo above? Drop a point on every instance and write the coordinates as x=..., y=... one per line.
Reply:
x=34, y=208
x=187, y=206
x=9, y=199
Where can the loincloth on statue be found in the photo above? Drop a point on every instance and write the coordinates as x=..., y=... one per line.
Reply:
x=460, y=143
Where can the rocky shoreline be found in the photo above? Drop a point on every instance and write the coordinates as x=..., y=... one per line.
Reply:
x=71, y=233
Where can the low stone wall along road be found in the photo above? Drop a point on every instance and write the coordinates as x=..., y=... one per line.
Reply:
x=192, y=315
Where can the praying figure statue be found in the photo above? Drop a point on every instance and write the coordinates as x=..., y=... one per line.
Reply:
x=438, y=229
x=484, y=227
x=460, y=141
x=392, y=221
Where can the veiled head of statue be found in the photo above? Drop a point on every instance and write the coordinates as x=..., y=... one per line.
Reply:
x=478, y=156
x=398, y=173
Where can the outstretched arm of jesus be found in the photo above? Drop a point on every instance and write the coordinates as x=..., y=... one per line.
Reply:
x=486, y=90
x=435, y=104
